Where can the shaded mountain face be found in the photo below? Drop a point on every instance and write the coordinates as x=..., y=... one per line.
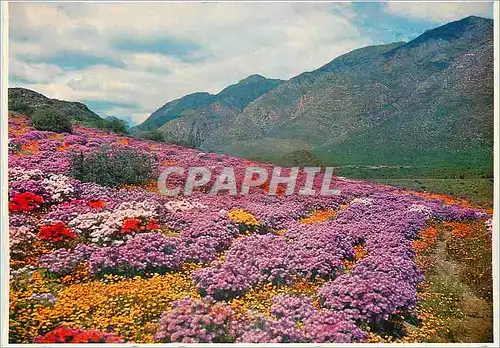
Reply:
x=174, y=109
x=428, y=102
x=26, y=101
x=191, y=119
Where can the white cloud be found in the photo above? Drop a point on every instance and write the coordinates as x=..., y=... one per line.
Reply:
x=440, y=12
x=39, y=72
x=277, y=40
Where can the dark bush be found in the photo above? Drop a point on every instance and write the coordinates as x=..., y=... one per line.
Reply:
x=51, y=119
x=154, y=135
x=116, y=125
x=20, y=107
x=113, y=167
x=302, y=158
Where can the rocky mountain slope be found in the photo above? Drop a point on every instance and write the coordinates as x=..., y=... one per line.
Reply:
x=194, y=118
x=26, y=101
x=427, y=102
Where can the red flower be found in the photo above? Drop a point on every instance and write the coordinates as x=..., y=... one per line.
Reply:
x=60, y=334
x=131, y=225
x=89, y=337
x=152, y=225
x=68, y=335
x=26, y=201
x=55, y=233
x=97, y=204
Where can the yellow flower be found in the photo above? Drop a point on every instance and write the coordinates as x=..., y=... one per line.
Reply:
x=129, y=307
x=240, y=216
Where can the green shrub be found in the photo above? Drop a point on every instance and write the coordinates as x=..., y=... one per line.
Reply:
x=20, y=107
x=113, y=167
x=154, y=135
x=116, y=125
x=302, y=158
x=51, y=119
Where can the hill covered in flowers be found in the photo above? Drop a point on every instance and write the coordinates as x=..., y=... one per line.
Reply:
x=126, y=264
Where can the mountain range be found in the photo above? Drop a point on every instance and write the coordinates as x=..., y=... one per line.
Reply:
x=426, y=102
x=423, y=103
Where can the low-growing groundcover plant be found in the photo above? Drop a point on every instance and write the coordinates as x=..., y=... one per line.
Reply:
x=112, y=167
x=98, y=255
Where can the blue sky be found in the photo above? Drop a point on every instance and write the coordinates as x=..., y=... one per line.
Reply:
x=128, y=59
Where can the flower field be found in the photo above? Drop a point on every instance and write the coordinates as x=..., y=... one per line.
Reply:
x=97, y=264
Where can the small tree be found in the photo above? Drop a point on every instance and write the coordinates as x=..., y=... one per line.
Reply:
x=113, y=167
x=51, y=119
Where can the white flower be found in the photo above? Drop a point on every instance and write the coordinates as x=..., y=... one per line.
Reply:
x=59, y=187
x=183, y=205
x=105, y=226
x=365, y=201
x=420, y=208
x=489, y=225
x=20, y=174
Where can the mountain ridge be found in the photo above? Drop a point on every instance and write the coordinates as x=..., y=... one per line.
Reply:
x=26, y=101
x=418, y=102
x=237, y=95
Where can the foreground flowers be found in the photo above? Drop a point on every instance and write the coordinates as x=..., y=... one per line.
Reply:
x=91, y=263
x=67, y=335
x=25, y=202
x=56, y=233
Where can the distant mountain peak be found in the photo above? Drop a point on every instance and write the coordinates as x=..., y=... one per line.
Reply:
x=254, y=78
x=454, y=30
x=474, y=27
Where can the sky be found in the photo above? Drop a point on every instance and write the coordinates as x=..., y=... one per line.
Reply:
x=128, y=59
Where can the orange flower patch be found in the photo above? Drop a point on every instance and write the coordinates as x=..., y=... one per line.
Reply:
x=19, y=125
x=31, y=147
x=169, y=162
x=280, y=190
x=360, y=252
x=447, y=199
x=97, y=204
x=465, y=229
x=318, y=216
x=428, y=238
x=124, y=141
x=56, y=137
x=80, y=275
x=63, y=147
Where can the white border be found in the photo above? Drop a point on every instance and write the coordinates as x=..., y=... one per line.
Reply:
x=4, y=221
x=4, y=254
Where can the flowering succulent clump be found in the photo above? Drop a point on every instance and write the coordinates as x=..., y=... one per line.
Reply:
x=147, y=252
x=212, y=268
x=196, y=321
x=249, y=261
